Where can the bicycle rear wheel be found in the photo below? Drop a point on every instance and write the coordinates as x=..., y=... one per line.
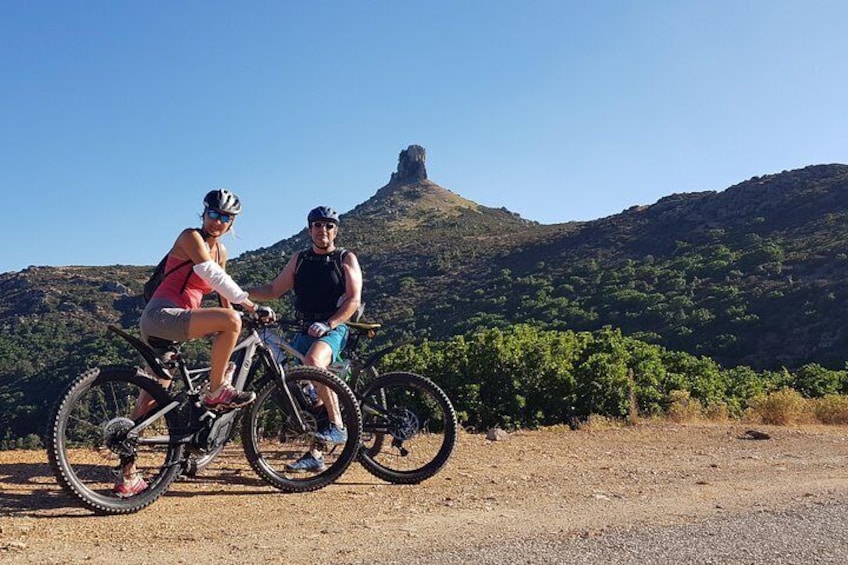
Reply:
x=413, y=426
x=89, y=439
x=271, y=439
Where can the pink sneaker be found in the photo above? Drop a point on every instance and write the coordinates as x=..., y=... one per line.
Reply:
x=130, y=486
x=227, y=398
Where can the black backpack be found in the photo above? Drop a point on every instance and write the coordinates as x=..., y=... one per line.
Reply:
x=337, y=257
x=159, y=275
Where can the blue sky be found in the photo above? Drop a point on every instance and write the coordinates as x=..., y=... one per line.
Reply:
x=118, y=116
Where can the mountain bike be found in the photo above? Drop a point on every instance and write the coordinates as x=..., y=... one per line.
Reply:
x=100, y=424
x=409, y=426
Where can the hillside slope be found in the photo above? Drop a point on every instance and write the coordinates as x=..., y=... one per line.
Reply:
x=755, y=275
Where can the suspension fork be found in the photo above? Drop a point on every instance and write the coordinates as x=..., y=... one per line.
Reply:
x=286, y=400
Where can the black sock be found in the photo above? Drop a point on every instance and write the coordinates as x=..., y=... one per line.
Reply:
x=322, y=418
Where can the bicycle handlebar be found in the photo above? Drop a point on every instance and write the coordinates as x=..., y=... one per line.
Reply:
x=265, y=317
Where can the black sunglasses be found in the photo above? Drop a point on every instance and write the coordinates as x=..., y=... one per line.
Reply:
x=329, y=225
x=216, y=215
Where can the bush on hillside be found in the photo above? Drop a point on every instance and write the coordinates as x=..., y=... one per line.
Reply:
x=782, y=408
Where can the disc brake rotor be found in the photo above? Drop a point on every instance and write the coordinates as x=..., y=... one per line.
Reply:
x=404, y=424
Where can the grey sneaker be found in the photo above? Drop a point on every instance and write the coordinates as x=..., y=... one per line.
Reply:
x=332, y=435
x=307, y=463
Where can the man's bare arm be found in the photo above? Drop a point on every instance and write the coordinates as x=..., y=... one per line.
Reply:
x=353, y=291
x=283, y=283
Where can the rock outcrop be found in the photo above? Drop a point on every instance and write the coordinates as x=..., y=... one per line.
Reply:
x=411, y=166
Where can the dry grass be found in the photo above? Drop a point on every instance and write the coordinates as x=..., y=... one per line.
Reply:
x=717, y=413
x=831, y=409
x=683, y=408
x=782, y=408
x=597, y=422
x=785, y=407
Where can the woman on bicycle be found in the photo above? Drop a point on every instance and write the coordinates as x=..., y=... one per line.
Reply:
x=196, y=266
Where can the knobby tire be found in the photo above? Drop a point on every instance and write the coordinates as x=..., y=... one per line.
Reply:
x=81, y=439
x=417, y=437
x=270, y=440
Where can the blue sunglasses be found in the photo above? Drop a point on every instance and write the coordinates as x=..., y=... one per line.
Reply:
x=216, y=215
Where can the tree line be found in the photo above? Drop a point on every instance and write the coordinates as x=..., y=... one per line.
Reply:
x=523, y=376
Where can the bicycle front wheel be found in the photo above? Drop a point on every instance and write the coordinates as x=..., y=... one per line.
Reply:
x=273, y=440
x=408, y=426
x=91, y=438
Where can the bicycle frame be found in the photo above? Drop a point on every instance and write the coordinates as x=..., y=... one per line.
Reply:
x=247, y=349
x=282, y=350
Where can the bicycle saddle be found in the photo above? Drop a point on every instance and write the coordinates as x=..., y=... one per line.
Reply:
x=161, y=345
x=363, y=326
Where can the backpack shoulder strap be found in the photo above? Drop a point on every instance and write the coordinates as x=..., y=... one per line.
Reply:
x=188, y=276
x=205, y=236
x=301, y=256
x=338, y=261
x=177, y=268
x=338, y=258
x=184, y=263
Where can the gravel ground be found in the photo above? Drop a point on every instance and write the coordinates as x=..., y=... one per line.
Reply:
x=805, y=534
x=653, y=493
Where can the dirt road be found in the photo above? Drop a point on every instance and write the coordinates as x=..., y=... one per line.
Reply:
x=550, y=485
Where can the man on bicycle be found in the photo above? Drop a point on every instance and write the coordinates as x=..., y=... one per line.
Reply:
x=327, y=283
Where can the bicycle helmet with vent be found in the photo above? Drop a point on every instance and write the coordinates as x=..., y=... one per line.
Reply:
x=223, y=200
x=322, y=213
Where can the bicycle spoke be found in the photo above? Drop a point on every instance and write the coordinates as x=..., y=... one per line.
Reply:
x=409, y=428
x=89, y=444
x=276, y=437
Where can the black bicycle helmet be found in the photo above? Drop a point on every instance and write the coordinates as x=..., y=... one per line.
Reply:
x=322, y=213
x=223, y=200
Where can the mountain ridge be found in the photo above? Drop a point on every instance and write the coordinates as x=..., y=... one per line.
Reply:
x=435, y=263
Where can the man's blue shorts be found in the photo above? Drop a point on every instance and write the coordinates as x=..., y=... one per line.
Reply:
x=336, y=339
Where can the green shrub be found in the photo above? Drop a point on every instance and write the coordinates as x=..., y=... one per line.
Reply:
x=813, y=380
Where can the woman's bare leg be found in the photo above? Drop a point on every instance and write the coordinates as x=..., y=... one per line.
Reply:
x=226, y=325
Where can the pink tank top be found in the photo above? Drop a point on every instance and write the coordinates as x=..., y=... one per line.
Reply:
x=170, y=288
